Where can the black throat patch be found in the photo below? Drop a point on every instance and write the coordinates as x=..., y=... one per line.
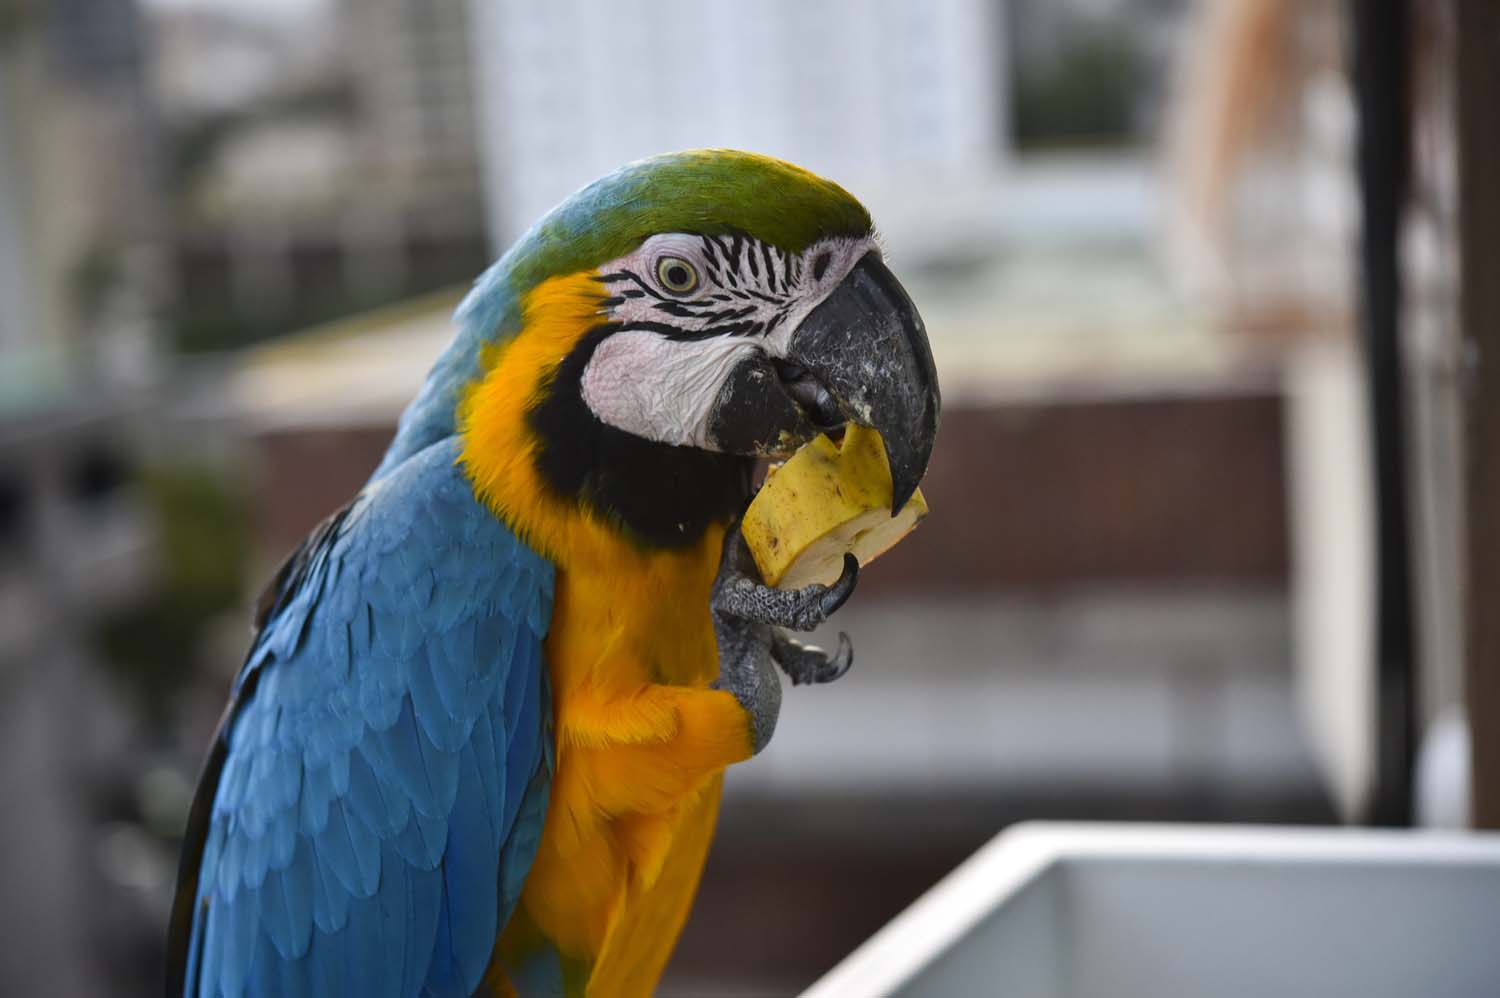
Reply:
x=663, y=496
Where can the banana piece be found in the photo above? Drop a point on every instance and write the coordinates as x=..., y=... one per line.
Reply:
x=826, y=499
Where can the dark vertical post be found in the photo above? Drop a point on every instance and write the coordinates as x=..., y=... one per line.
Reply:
x=1478, y=29
x=1381, y=46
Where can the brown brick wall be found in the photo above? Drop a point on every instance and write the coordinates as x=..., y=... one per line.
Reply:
x=1051, y=494
x=1030, y=495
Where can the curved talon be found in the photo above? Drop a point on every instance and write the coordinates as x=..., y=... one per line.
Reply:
x=843, y=587
x=842, y=659
x=808, y=664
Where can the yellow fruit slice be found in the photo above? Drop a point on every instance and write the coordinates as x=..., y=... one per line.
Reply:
x=825, y=500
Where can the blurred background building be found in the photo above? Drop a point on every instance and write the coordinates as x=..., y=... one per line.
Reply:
x=231, y=234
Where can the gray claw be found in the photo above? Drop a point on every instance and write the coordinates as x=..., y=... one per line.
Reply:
x=808, y=664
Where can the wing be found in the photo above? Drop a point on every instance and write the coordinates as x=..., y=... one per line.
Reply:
x=373, y=799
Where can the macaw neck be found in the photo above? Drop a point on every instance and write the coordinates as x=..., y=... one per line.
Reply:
x=567, y=482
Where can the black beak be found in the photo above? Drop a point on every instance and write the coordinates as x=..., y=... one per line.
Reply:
x=864, y=357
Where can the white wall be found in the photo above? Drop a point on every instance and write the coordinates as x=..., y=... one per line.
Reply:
x=1333, y=565
x=879, y=95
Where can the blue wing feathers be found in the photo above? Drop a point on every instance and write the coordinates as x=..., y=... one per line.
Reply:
x=278, y=920
x=336, y=851
x=231, y=863
x=330, y=900
x=384, y=812
x=205, y=965
x=526, y=814
x=491, y=776
x=442, y=973
x=364, y=950
x=329, y=969
x=471, y=878
x=297, y=887
x=447, y=732
x=257, y=858
x=241, y=922
x=424, y=907
x=423, y=840
x=387, y=763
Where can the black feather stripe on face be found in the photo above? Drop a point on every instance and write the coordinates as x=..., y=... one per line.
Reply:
x=662, y=495
x=743, y=270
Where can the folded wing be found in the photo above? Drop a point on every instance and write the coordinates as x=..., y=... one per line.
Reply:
x=375, y=792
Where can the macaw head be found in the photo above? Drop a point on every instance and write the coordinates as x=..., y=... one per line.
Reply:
x=661, y=329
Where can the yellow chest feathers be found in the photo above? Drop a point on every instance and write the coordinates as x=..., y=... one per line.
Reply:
x=631, y=651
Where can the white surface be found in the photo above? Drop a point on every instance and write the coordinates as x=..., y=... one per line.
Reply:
x=1333, y=564
x=1443, y=773
x=873, y=92
x=1054, y=911
x=1145, y=692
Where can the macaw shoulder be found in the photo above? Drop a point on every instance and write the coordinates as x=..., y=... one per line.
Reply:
x=417, y=543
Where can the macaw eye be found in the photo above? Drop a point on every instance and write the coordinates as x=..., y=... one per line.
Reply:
x=676, y=274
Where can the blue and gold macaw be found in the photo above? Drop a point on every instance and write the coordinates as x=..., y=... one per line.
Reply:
x=477, y=744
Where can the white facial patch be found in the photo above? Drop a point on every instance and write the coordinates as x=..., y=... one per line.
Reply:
x=658, y=388
x=689, y=308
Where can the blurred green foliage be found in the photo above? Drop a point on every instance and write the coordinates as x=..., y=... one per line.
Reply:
x=154, y=648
